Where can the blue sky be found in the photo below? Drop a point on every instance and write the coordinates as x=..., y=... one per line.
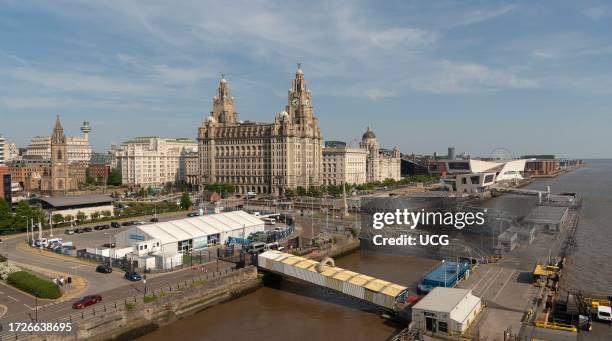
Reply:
x=532, y=77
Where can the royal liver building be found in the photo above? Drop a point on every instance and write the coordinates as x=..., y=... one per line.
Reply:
x=262, y=157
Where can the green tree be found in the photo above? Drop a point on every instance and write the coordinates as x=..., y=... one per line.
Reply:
x=23, y=214
x=6, y=217
x=114, y=177
x=107, y=213
x=68, y=218
x=95, y=215
x=80, y=216
x=57, y=218
x=185, y=201
x=300, y=191
x=290, y=193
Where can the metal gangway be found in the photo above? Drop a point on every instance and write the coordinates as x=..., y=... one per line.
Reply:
x=389, y=296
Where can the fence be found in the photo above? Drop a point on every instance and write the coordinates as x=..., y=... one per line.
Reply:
x=121, y=304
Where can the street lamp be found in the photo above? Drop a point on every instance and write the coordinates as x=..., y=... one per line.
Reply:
x=110, y=246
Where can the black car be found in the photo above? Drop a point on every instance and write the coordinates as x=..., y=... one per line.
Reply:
x=126, y=223
x=132, y=276
x=154, y=220
x=105, y=226
x=98, y=227
x=78, y=231
x=87, y=229
x=115, y=225
x=104, y=268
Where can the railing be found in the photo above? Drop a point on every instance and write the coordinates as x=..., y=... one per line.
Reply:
x=120, y=304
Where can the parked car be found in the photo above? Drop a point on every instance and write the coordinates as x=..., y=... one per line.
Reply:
x=98, y=227
x=192, y=214
x=132, y=276
x=69, y=231
x=105, y=227
x=86, y=301
x=138, y=222
x=104, y=268
x=115, y=225
x=154, y=220
x=87, y=229
x=126, y=223
x=78, y=231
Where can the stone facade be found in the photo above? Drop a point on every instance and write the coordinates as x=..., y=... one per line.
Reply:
x=152, y=161
x=190, y=167
x=380, y=164
x=343, y=164
x=59, y=175
x=262, y=157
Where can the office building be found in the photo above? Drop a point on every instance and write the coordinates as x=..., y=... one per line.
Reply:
x=262, y=157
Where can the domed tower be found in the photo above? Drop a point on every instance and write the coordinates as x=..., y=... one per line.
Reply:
x=370, y=144
x=224, y=110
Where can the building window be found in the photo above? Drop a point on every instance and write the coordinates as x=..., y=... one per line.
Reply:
x=442, y=327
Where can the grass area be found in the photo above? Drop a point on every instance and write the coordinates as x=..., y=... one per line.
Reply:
x=149, y=298
x=36, y=286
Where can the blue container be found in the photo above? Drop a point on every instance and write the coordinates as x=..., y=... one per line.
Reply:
x=447, y=274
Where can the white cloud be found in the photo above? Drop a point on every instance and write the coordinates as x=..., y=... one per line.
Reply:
x=480, y=15
x=452, y=77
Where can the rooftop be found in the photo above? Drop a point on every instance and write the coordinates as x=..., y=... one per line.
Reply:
x=442, y=299
x=75, y=200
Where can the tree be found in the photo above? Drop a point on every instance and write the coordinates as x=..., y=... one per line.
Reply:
x=23, y=214
x=289, y=193
x=80, y=216
x=107, y=213
x=95, y=215
x=6, y=217
x=300, y=191
x=57, y=218
x=68, y=218
x=114, y=177
x=185, y=201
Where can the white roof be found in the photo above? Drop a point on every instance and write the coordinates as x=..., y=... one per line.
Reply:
x=194, y=227
x=444, y=300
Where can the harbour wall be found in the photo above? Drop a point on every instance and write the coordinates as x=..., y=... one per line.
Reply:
x=135, y=320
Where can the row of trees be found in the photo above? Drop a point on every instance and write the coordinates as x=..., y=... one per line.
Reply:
x=18, y=220
x=337, y=189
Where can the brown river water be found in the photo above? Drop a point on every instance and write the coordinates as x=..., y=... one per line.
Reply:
x=294, y=311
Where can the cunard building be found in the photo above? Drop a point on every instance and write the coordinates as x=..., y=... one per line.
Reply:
x=262, y=157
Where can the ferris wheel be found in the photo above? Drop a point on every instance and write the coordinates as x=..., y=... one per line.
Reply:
x=501, y=153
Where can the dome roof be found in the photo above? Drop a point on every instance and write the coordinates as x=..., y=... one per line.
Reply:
x=283, y=115
x=211, y=119
x=369, y=134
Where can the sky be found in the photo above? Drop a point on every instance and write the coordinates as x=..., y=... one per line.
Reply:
x=530, y=77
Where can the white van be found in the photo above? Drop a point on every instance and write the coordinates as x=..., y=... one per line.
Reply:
x=270, y=221
x=604, y=313
x=45, y=242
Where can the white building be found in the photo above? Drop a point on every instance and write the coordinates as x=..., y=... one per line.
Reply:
x=446, y=311
x=79, y=149
x=474, y=176
x=152, y=161
x=189, y=234
x=342, y=164
x=380, y=165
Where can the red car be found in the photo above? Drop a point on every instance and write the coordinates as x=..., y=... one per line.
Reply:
x=86, y=301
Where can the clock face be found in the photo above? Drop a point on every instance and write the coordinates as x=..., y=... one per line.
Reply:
x=306, y=102
x=295, y=101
